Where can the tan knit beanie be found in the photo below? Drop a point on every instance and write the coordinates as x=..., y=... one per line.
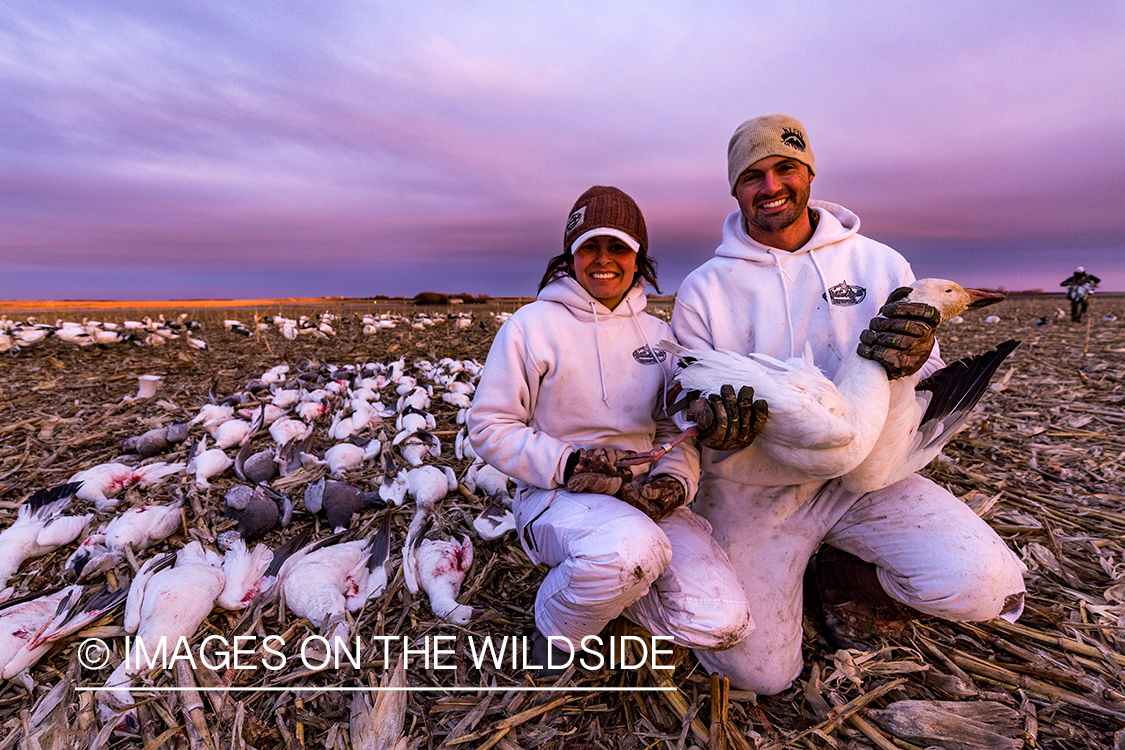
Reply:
x=768, y=135
x=605, y=210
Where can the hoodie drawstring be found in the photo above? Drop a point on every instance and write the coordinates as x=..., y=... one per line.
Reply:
x=785, y=298
x=598, y=348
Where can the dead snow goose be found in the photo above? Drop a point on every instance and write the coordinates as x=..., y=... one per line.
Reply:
x=326, y=581
x=28, y=629
x=137, y=528
x=39, y=528
x=207, y=463
x=104, y=482
x=820, y=427
x=440, y=568
x=427, y=485
x=339, y=501
x=258, y=510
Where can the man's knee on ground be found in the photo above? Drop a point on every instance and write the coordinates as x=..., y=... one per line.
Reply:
x=763, y=677
x=974, y=586
x=711, y=625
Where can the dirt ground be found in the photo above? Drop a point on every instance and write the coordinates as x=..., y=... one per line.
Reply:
x=1042, y=462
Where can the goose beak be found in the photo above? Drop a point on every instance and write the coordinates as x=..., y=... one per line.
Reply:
x=979, y=298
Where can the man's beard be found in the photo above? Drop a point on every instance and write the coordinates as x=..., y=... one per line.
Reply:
x=777, y=222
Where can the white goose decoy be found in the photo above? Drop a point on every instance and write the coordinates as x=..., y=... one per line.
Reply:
x=821, y=427
x=39, y=528
x=324, y=580
x=440, y=568
x=104, y=482
x=137, y=528
x=427, y=485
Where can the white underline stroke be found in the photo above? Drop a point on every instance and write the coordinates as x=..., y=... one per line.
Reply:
x=308, y=689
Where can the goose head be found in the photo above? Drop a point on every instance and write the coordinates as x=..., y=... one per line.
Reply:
x=949, y=297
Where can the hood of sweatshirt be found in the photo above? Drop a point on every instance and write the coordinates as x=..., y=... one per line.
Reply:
x=836, y=223
x=584, y=307
x=569, y=292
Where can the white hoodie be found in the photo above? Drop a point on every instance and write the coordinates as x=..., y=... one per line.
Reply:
x=754, y=298
x=566, y=372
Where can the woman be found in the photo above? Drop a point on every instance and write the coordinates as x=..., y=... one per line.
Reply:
x=572, y=381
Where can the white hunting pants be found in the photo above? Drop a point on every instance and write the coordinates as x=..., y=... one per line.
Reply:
x=933, y=554
x=607, y=558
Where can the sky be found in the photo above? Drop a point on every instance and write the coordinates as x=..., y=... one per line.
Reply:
x=176, y=150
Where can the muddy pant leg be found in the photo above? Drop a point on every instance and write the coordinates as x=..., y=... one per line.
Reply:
x=697, y=600
x=769, y=534
x=603, y=553
x=933, y=553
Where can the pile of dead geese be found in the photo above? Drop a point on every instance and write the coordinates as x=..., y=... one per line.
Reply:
x=264, y=434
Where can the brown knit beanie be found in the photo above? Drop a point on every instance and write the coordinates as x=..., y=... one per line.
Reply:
x=768, y=135
x=605, y=208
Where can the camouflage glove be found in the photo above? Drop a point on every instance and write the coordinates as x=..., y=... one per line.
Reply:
x=593, y=470
x=726, y=422
x=902, y=337
x=657, y=496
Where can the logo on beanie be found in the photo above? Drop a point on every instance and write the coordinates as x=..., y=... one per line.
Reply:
x=844, y=294
x=647, y=356
x=793, y=139
x=575, y=219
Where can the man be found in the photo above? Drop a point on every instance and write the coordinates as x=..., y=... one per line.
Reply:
x=791, y=271
x=1080, y=285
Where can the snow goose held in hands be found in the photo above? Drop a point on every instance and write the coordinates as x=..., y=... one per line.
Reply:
x=821, y=427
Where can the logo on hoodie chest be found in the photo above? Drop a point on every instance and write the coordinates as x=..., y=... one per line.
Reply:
x=647, y=356
x=845, y=294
